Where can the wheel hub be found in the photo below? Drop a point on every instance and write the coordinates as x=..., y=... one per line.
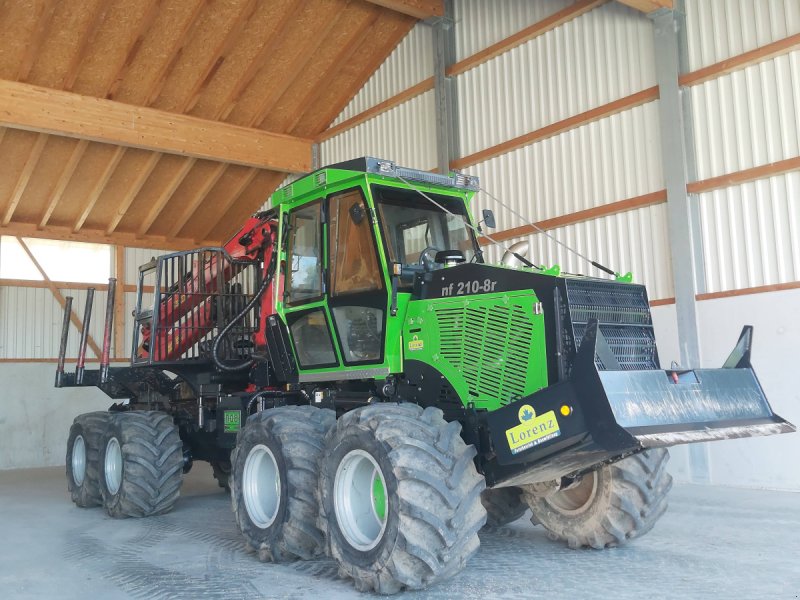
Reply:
x=113, y=465
x=261, y=486
x=359, y=498
x=79, y=460
x=577, y=498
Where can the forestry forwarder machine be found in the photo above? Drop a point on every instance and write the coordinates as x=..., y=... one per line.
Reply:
x=368, y=387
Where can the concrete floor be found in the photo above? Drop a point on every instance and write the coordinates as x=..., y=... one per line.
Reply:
x=712, y=543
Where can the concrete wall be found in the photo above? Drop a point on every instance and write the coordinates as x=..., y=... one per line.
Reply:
x=768, y=462
x=35, y=417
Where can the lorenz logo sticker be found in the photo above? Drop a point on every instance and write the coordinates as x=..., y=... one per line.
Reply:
x=532, y=430
x=416, y=344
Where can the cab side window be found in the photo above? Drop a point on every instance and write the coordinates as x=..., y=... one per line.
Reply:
x=304, y=276
x=353, y=261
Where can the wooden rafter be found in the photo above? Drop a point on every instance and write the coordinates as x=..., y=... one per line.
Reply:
x=190, y=209
x=130, y=194
x=63, y=181
x=45, y=11
x=98, y=236
x=25, y=177
x=648, y=6
x=161, y=200
x=33, y=108
x=419, y=9
x=59, y=296
x=71, y=73
x=226, y=204
x=98, y=188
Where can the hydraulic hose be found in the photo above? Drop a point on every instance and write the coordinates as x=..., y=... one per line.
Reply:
x=242, y=366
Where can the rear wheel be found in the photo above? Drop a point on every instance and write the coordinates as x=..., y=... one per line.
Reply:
x=503, y=506
x=83, y=458
x=275, y=467
x=609, y=506
x=141, y=458
x=399, y=497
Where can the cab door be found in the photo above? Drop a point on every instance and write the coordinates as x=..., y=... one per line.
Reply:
x=304, y=295
x=357, y=296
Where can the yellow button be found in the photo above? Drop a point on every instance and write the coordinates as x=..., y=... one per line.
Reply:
x=566, y=410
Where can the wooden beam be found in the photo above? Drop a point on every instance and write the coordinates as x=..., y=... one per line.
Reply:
x=192, y=207
x=648, y=6
x=25, y=177
x=158, y=203
x=59, y=297
x=662, y=302
x=370, y=113
x=33, y=108
x=745, y=176
x=601, y=112
x=741, y=61
x=127, y=199
x=98, y=236
x=69, y=285
x=533, y=31
x=761, y=289
x=119, y=301
x=98, y=188
x=596, y=212
x=419, y=9
x=63, y=181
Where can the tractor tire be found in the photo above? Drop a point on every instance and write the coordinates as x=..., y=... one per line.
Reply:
x=399, y=497
x=222, y=473
x=141, y=459
x=609, y=506
x=503, y=506
x=83, y=458
x=275, y=469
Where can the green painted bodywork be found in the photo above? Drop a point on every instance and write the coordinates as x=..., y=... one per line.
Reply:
x=490, y=347
x=503, y=367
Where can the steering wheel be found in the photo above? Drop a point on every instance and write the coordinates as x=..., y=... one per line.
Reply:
x=427, y=258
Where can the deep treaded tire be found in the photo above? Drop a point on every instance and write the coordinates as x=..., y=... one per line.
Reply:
x=83, y=458
x=425, y=497
x=275, y=468
x=503, y=506
x=145, y=479
x=222, y=473
x=610, y=506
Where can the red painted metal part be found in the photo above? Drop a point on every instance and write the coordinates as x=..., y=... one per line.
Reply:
x=193, y=299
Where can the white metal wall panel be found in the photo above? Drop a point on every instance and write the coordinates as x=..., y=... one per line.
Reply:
x=751, y=233
x=601, y=162
x=409, y=63
x=480, y=24
x=720, y=29
x=635, y=241
x=749, y=117
x=405, y=134
x=31, y=322
x=601, y=56
x=135, y=257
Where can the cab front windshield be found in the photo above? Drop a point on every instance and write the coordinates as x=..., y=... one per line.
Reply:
x=415, y=229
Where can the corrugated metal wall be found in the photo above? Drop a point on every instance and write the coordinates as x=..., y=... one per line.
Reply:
x=748, y=118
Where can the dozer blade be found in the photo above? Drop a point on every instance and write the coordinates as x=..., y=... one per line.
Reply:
x=600, y=416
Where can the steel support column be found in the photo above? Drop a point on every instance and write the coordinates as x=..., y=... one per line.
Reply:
x=446, y=107
x=679, y=167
